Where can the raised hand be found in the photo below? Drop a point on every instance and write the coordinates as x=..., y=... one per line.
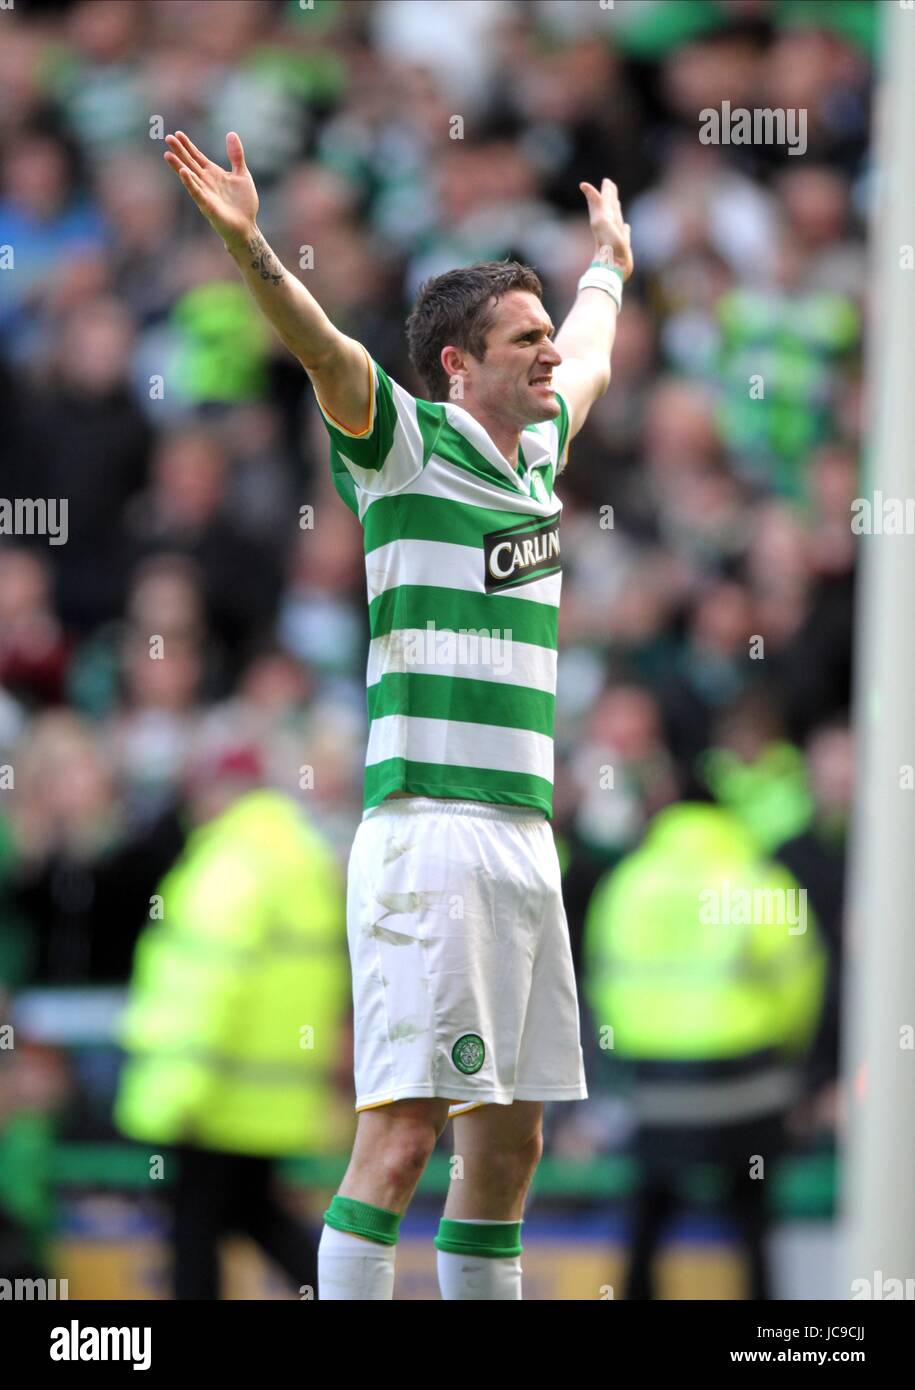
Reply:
x=611, y=233
x=227, y=199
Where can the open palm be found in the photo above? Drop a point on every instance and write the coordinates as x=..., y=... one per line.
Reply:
x=227, y=198
x=611, y=233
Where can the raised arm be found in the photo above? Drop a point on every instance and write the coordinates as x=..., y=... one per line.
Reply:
x=586, y=336
x=338, y=366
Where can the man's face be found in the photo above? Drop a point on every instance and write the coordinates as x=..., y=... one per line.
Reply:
x=513, y=382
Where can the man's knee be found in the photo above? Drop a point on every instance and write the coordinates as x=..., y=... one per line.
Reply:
x=400, y=1150
x=406, y=1151
x=513, y=1164
x=528, y=1153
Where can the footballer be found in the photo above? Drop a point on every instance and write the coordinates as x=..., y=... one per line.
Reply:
x=464, y=994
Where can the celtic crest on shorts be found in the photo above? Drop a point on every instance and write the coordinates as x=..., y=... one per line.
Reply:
x=468, y=1053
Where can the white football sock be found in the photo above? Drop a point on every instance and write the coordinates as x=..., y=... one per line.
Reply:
x=352, y=1268
x=479, y=1277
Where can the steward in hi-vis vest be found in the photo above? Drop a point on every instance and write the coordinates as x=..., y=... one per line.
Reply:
x=705, y=973
x=703, y=959
x=239, y=993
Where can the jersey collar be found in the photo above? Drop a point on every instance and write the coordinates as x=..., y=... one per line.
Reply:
x=534, y=451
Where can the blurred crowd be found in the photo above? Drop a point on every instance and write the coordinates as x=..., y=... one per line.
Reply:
x=205, y=618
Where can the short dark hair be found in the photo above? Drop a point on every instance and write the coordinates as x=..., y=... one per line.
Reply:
x=457, y=307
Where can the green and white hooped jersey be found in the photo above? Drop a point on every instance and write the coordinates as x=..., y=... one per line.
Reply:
x=463, y=570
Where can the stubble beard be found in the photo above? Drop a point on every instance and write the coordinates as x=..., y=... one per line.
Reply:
x=545, y=410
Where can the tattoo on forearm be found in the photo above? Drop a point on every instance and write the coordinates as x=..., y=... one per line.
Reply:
x=264, y=260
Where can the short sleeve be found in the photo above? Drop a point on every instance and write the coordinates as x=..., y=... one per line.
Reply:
x=386, y=455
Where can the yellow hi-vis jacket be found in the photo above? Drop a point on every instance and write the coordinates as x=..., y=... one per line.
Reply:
x=239, y=992
x=698, y=949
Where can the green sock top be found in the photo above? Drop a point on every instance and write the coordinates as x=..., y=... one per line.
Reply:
x=496, y=1240
x=362, y=1219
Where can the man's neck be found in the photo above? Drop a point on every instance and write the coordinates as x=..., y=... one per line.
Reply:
x=506, y=439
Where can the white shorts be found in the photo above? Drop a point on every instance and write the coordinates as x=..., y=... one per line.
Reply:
x=463, y=986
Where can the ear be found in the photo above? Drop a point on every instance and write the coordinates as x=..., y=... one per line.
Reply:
x=454, y=361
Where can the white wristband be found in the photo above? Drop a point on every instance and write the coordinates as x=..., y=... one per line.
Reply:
x=603, y=277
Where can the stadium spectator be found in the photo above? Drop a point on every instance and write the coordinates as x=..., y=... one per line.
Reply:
x=817, y=857
x=712, y=1008
x=234, y=1024
x=78, y=879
